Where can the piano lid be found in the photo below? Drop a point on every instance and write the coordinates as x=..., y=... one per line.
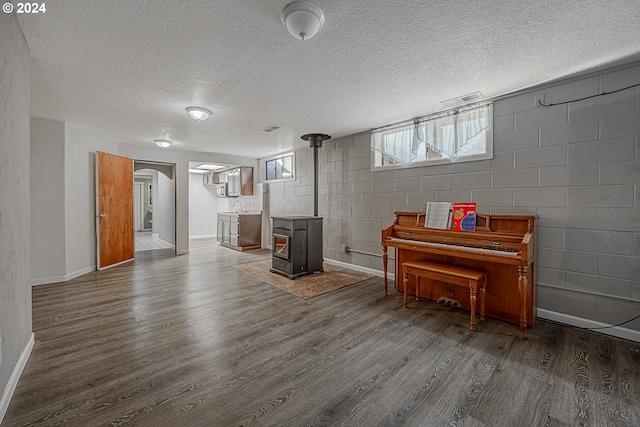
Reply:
x=497, y=223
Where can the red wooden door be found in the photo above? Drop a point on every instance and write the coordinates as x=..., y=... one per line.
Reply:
x=114, y=210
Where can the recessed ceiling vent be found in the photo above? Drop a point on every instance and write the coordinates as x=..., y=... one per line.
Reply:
x=463, y=99
x=271, y=129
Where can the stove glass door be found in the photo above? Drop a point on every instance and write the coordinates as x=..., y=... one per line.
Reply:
x=281, y=246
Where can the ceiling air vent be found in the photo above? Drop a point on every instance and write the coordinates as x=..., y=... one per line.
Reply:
x=463, y=99
x=471, y=97
x=271, y=129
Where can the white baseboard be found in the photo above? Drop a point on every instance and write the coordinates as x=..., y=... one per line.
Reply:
x=10, y=388
x=203, y=236
x=378, y=273
x=579, y=322
x=57, y=279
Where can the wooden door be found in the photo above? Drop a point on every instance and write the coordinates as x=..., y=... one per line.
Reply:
x=114, y=210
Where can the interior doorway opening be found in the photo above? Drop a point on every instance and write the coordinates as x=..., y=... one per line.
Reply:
x=154, y=206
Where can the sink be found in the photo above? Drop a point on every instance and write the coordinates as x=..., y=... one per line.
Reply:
x=240, y=213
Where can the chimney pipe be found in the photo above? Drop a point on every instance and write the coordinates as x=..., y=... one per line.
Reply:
x=315, y=142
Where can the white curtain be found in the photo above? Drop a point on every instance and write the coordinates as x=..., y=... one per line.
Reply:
x=445, y=133
x=399, y=144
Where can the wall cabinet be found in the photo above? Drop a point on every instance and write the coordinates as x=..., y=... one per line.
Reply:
x=240, y=182
x=211, y=178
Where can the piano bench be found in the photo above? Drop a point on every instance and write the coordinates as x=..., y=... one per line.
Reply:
x=447, y=273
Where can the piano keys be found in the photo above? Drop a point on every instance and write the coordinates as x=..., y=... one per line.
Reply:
x=503, y=246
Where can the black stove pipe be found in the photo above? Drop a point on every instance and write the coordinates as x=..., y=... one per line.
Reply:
x=315, y=142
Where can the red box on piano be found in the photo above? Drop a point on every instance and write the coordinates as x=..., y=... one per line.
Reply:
x=463, y=216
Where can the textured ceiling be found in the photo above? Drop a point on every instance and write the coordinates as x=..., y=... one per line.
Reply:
x=129, y=69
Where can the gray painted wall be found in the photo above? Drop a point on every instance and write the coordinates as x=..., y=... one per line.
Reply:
x=47, y=200
x=575, y=165
x=15, y=258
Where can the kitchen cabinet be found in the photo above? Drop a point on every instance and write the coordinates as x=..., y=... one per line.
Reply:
x=224, y=228
x=240, y=231
x=211, y=178
x=240, y=182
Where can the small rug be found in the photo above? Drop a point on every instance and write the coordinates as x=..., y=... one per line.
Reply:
x=305, y=287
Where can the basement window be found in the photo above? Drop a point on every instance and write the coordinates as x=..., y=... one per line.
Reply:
x=280, y=168
x=460, y=135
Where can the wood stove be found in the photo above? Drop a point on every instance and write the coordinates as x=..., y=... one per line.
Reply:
x=297, y=246
x=297, y=240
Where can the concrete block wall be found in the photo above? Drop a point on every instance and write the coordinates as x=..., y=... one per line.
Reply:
x=575, y=165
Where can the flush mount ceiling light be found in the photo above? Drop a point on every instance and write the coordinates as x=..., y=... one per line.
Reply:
x=302, y=19
x=199, y=113
x=210, y=167
x=162, y=143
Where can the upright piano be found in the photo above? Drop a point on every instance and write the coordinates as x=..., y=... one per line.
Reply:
x=503, y=246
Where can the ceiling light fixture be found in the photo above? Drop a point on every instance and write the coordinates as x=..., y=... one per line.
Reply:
x=199, y=113
x=210, y=166
x=162, y=143
x=302, y=19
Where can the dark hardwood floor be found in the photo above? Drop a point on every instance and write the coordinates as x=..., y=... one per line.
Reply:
x=191, y=341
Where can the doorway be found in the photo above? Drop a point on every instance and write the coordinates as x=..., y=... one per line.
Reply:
x=154, y=207
x=117, y=205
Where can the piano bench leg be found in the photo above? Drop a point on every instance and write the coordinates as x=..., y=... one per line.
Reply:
x=405, y=283
x=482, y=296
x=473, y=290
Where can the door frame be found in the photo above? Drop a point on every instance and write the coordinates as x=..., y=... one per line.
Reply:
x=159, y=166
x=138, y=211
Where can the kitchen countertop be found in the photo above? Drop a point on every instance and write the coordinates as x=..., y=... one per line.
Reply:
x=240, y=213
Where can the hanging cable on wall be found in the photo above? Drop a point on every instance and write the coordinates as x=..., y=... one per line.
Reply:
x=542, y=104
x=589, y=328
x=616, y=325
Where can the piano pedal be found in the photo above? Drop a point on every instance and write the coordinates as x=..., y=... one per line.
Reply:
x=449, y=302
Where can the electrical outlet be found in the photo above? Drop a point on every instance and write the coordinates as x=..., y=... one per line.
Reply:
x=345, y=248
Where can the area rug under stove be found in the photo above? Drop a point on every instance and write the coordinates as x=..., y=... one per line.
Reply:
x=305, y=287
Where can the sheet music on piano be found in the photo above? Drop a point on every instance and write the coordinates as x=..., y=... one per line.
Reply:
x=438, y=215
